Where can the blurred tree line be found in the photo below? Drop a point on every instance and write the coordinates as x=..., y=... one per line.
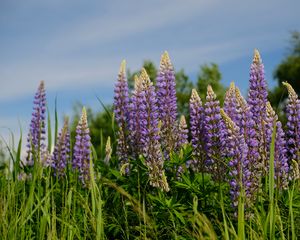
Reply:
x=101, y=123
x=287, y=71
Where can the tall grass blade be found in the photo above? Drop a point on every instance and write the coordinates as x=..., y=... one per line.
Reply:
x=49, y=130
x=291, y=212
x=55, y=121
x=224, y=216
x=241, y=216
x=108, y=112
x=271, y=186
x=16, y=167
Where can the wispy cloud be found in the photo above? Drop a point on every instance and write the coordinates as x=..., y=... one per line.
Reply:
x=125, y=19
x=86, y=48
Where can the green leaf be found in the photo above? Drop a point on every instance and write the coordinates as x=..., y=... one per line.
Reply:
x=179, y=216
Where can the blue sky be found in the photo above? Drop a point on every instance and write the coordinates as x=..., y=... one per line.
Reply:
x=76, y=46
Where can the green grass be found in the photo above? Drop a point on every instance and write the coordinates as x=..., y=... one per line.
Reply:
x=117, y=206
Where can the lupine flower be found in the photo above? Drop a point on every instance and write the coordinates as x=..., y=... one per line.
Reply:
x=166, y=101
x=148, y=118
x=137, y=110
x=235, y=149
x=281, y=162
x=293, y=124
x=257, y=101
x=121, y=111
x=197, y=132
x=36, y=136
x=246, y=124
x=182, y=132
x=108, y=151
x=280, y=158
x=82, y=151
x=230, y=103
x=213, y=129
x=61, y=153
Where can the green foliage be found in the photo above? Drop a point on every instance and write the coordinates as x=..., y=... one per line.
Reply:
x=118, y=206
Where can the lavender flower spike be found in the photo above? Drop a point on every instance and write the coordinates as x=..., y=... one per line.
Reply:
x=230, y=103
x=183, y=132
x=150, y=135
x=121, y=111
x=136, y=117
x=293, y=124
x=61, y=153
x=214, y=128
x=257, y=101
x=197, y=131
x=236, y=150
x=246, y=124
x=166, y=101
x=82, y=151
x=36, y=136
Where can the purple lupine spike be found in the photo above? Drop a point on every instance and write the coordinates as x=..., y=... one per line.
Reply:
x=61, y=153
x=246, y=124
x=213, y=129
x=197, y=132
x=150, y=134
x=182, y=132
x=136, y=117
x=82, y=151
x=230, y=103
x=257, y=101
x=236, y=150
x=280, y=158
x=166, y=101
x=257, y=96
x=282, y=168
x=36, y=136
x=243, y=112
x=293, y=125
x=121, y=111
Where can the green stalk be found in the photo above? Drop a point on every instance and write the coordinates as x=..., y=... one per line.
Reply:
x=16, y=167
x=56, y=122
x=224, y=214
x=291, y=214
x=271, y=186
x=49, y=130
x=241, y=215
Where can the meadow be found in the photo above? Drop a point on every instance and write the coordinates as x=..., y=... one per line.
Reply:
x=229, y=171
